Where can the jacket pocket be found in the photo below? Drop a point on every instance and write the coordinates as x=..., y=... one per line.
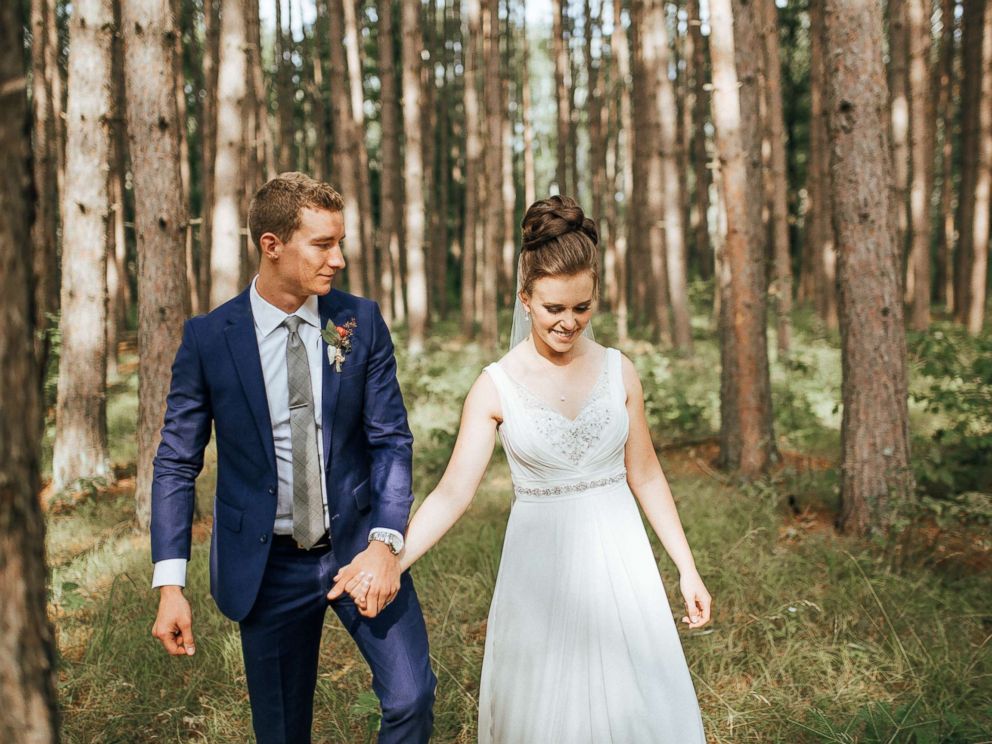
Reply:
x=228, y=516
x=362, y=495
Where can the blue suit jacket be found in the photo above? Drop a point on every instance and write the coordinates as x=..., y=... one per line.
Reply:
x=217, y=379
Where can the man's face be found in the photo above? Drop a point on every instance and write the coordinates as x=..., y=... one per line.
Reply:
x=308, y=261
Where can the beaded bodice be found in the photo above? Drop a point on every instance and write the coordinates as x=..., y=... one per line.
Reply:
x=551, y=455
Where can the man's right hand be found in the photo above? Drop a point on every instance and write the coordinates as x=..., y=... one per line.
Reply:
x=174, y=624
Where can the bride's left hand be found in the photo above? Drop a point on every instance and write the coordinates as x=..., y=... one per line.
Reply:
x=697, y=600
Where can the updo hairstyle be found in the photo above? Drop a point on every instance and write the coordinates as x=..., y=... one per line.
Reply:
x=558, y=240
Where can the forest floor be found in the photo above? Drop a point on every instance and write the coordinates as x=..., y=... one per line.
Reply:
x=816, y=636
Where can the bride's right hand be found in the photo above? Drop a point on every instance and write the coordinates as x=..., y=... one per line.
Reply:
x=697, y=600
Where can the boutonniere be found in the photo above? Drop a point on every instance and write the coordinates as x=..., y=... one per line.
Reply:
x=338, y=339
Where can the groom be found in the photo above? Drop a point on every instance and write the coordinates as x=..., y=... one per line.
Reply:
x=313, y=475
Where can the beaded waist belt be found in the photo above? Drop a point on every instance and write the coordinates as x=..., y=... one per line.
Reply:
x=568, y=489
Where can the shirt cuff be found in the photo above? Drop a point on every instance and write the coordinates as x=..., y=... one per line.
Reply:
x=170, y=572
x=388, y=531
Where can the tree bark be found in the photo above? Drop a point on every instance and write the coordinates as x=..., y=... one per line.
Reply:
x=978, y=265
x=898, y=71
x=972, y=26
x=80, y=450
x=700, y=160
x=782, y=288
x=875, y=474
x=563, y=96
x=211, y=54
x=530, y=179
x=391, y=186
x=160, y=220
x=27, y=669
x=117, y=279
x=44, y=230
x=921, y=157
x=284, y=92
x=413, y=179
x=626, y=157
x=490, y=192
x=356, y=89
x=594, y=117
x=747, y=437
x=232, y=88
x=473, y=156
x=508, y=190
x=944, y=279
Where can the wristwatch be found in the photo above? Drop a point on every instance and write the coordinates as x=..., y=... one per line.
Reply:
x=392, y=538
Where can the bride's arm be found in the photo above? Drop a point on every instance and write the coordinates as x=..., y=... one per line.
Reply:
x=473, y=449
x=648, y=482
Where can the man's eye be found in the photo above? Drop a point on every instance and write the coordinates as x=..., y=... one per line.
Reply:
x=582, y=309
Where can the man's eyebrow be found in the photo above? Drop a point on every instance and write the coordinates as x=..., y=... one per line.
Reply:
x=326, y=238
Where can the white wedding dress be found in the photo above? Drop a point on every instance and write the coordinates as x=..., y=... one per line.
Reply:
x=581, y=646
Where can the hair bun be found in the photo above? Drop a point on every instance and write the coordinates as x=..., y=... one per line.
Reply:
x=553, y=217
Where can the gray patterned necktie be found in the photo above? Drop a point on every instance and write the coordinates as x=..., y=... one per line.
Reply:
x=308, y=505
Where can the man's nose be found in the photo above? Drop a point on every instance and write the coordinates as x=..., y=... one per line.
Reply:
x=335, y=258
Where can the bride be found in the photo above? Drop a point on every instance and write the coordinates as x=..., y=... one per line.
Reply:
x=581, y=645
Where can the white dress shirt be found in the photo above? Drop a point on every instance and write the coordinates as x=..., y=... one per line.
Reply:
x=271, y=334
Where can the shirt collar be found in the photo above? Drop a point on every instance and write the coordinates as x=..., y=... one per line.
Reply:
x=268, y=317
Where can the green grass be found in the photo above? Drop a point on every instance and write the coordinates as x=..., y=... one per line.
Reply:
x=816, y=637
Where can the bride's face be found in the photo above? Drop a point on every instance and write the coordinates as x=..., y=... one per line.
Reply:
x=560, y=308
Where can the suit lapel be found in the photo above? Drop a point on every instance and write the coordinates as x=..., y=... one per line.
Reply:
x=241, y=342
x=330, y=378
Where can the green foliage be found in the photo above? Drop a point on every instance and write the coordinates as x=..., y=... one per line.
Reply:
x=953, y=383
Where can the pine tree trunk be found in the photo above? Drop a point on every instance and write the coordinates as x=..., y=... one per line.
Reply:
x=211, y=54
x=44, y=230
x=117, y=279
x=700, y=108
x=80, y=450
x=232, y=88
x=899, y=93
x=508, y=189
x=473, y=153
x=390, y=188
x=562, y=95
x=667, y=223
x=530, y=179
x=626, y=157
x=27, y=664
x=283, y=76
x=782, y=289
x=353, y=47
x=490, y=194
x=971, y=87
x=921, y=156
x=875, y=475
x=944, y=279
x=160, y=219
x=747, y=438
x=179, y=83
x=594, y=116
x=413, y=179
x=978, y=265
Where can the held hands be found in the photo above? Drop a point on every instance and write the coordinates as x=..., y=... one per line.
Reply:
x=697, y=600
x=174, y=623
x=372, y=579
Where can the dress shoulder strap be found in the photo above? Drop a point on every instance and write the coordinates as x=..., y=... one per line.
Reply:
x=614, y=365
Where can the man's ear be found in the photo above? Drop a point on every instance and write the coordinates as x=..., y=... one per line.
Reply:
x=270, y=246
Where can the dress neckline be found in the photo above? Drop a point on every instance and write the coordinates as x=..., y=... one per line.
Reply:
x=589, y=399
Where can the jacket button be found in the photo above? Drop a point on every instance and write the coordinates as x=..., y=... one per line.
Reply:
x=272, y=489
x=263, y=539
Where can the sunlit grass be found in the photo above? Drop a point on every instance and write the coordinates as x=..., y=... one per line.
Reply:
x=816, y=636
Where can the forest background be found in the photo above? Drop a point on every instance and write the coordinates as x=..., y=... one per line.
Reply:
x=793, y=200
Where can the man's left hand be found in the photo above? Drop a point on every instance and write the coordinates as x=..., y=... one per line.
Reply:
x=372, y=579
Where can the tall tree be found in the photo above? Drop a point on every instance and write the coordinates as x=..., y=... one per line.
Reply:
x=391, y=187
x=27, y=664
x=898, y=76
x=621, y=51
x=283, y=42
x=490, y=191
x=875, y=473
x=413, y=177
x=473, y=160
x=945, y=110
x=44, y=230
x=747, y=439
x=159, y=220
x=80, y=450
x=921, y=158
x=666, y=231
x=208, y=144
x=696, y=59
x=778, y=176
x=530, y=182
x=977, y=276
x=232, y=88
x=563, y=96
x=356, y=90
